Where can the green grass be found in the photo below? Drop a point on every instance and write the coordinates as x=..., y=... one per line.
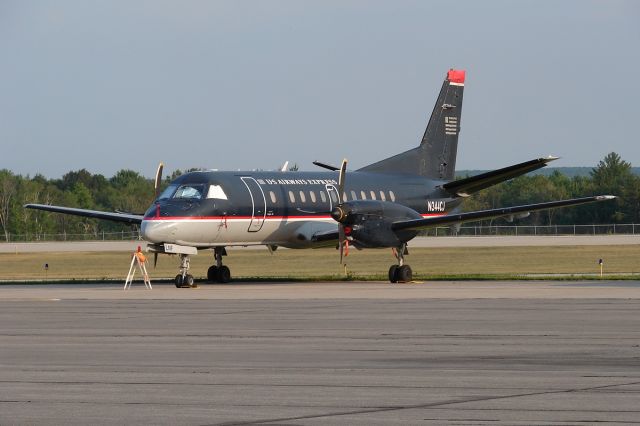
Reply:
x=323, y=264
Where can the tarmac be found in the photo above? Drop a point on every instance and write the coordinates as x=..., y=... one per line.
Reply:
x=505, y=353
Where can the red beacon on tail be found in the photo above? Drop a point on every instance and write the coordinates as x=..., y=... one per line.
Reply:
x=456, y=76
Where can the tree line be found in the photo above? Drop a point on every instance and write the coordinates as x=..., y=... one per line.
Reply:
x=129, y=191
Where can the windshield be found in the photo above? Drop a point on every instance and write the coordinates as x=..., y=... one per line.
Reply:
x=190, y=191
x=168, y=192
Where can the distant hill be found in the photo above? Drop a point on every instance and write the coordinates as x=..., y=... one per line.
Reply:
x=546, y=171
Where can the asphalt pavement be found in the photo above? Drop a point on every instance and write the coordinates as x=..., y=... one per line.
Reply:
x=325, y=353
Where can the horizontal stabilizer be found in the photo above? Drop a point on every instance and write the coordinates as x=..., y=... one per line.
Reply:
x=114, y=217
x=467, y=186
x=507, y=212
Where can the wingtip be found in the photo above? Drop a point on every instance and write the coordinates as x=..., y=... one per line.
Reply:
x=551, y=158
x=605, y=197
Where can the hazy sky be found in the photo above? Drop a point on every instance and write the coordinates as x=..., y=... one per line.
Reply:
x=107, y=85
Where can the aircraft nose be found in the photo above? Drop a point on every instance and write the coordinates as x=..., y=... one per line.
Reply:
x=154, y=231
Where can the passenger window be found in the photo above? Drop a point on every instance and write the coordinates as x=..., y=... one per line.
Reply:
x=382, y=197
x=344, y=197
x=323, y=197
x=292, y=197
x=353, y=195
x=393, y=196
x=373, y=195
x=273, y=196
x=302, y=197
x=363, y=196
x=334, y=196
x=312, y=195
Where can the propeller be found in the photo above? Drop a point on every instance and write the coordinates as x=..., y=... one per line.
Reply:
x=158, y=181
x=338, y=213
x=156, y=187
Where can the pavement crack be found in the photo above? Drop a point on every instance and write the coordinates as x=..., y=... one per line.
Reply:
x=418, y=406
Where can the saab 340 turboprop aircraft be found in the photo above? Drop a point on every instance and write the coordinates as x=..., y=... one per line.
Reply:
x=384, y=204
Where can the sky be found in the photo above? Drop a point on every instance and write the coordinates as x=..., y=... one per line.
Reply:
x=111, y=85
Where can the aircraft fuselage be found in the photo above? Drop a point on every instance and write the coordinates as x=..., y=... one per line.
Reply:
x=206, y=209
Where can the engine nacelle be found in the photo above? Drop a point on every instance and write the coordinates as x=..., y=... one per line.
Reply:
x=368, y=222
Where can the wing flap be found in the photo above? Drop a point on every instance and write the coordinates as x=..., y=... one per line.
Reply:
x=95, y=214
x=451, y=219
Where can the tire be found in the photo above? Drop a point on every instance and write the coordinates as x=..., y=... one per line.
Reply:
x=224, y=274
x=405, y=274
x=189, y=281
x=393, y=274
x=212, y=273
x=178, y=281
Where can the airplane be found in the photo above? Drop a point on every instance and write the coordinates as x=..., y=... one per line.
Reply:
x=384, y=204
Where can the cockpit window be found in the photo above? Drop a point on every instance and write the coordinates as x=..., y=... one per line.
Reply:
x=190, y=191
x=168, y=192
x=216, y=191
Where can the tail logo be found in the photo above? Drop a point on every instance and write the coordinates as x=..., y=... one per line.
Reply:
x=451, y=126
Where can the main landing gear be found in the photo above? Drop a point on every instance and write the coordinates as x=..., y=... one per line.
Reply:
x=400, y=273
x=219, y=272
x=184, y=279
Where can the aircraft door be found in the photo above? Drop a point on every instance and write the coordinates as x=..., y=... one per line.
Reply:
x=259, y=203
x=333, y=196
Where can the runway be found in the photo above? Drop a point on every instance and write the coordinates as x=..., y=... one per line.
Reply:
x=324, y=353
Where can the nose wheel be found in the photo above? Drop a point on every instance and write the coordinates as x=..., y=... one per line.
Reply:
x=400, y=273
x=184, y=279
x=219, y=273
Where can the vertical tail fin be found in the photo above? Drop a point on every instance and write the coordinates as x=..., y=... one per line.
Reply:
x=435, y=158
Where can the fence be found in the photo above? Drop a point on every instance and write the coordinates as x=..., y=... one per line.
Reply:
x=93, y=236
x=516, y=230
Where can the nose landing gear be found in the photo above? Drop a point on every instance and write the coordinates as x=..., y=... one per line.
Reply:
x=184, y=279
x=219, y=272
x=400, y=273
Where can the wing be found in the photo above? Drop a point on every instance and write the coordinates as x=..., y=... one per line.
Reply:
x=507, y=212
x=112, y=216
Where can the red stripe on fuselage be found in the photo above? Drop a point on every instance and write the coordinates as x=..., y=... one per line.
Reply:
x=176, y=218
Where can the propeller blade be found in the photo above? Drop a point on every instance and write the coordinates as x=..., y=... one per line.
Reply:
x=341, y=179
x=155, y=259
x=158, y=180
x=341, y=241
